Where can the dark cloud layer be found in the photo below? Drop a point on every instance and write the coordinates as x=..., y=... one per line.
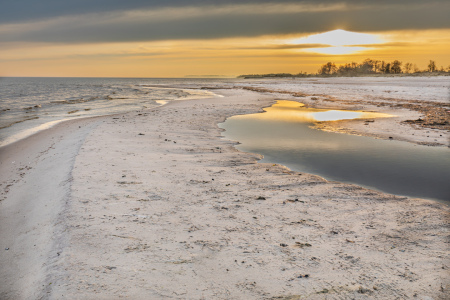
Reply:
x=24, y=10
x=107, y=21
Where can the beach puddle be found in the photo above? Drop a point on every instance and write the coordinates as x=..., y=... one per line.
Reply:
x=291, y=111
x=283, y=134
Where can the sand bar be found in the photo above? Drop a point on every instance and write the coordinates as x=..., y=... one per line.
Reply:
x=155, y=204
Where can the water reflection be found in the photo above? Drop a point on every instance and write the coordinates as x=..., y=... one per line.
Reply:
x=291, y=111
x=283, y=135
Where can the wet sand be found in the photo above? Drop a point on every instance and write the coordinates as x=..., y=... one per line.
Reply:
x=156, y=204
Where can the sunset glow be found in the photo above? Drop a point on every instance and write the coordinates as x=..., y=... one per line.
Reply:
x=162, y=40
x=341, y=37
x=340, y=42
x=340, y=50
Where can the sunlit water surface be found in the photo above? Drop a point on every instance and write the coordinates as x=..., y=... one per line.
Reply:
x=283, y=135
x=28, y=105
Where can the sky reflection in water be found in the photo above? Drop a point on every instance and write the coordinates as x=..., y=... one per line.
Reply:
x=282, y=135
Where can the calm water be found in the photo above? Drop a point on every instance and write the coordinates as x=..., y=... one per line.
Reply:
x=28, y=105
x=390, y=166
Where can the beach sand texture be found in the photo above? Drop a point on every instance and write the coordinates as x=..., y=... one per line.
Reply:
x=156, y=204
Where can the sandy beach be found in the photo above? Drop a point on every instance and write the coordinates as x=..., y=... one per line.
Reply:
x=156, y=204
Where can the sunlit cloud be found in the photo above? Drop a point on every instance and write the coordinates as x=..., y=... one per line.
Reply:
x=340, y=42
x=284, y=47
x=340, y=50
x=340, y=37
x=176, y=37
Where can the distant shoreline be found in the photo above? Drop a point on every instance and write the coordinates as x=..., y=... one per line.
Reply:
x=368, y=67
x=287, y=75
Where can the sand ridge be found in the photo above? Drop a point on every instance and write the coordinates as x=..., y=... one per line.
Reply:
x=35, y=189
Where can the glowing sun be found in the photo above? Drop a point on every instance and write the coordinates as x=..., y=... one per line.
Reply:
x=339, y=41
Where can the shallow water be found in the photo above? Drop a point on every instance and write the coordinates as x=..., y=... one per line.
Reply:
x=28, y=105
x=283, y=135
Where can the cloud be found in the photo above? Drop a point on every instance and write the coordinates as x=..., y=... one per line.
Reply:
x=386, y=45
x=284, y=46
x=26, y=10
x=82, y=21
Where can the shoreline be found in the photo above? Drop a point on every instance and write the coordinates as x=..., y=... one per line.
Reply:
x=183, y=206
x=39, y=129
x=24, y=119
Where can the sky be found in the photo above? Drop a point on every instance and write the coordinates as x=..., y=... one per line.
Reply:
x=177, y=38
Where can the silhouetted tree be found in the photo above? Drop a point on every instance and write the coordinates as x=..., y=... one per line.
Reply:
x=328, y=69
x=367, y=66
x=376, y=66
x=432, y=66
x=396, y=67
x=407, y=67
x=345, y=69
x=382, y=66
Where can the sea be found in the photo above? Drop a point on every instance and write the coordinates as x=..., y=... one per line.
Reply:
x=28, y=105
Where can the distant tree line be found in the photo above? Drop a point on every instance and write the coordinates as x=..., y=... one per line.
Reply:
x=367, y=67
x=370, y=66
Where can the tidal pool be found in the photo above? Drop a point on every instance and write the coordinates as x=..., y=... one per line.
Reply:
x=283, y=135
